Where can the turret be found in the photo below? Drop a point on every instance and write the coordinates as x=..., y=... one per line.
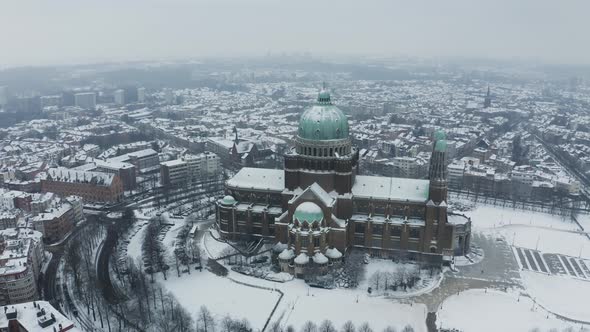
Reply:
x=437, y=173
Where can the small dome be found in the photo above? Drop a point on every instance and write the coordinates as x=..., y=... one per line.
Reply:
x=323, y=121
x=308, y=212
x=333, y=253
x=302, y=259
x=439, y=135
x=286, y=254
x=319, y=258
x=441, y=146
x=228, y=200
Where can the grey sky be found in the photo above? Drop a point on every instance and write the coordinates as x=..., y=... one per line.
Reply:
x=59, y=31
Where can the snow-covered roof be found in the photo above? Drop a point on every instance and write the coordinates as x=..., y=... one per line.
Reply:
x=333, y=253
x=30, y=317
x=397, y=189
x=302, y=259
x=319, y=258
x=63, y=174
x=288, y=254
x=258, y=178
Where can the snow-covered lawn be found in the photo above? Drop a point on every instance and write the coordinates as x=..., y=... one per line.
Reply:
x=302, y=303
x=546, y=240
x=490, y=216
x=340, y=305
x=214, y=248
x=221, y=296
x=478, y=311
x=584, y=220
x=562, y=295
x=533, y=230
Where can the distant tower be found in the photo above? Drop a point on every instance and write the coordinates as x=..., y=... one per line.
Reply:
x=235, y=131
x=437, y=173
x=487, y=102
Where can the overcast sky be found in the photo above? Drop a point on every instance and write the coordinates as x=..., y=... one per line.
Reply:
x=60, y=31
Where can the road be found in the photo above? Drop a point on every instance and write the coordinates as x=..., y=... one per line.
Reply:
x=102, y=273
x=50, y=293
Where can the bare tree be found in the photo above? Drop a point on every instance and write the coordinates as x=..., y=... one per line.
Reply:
x=275, y=327
x=205, y=322
x=74, y=260
x=375, y=280
x=309, y=326
x=365, y=327
x=348, y=327
x=227, y=324
x=327, y=326
x=390, y=329
x=408, y=328
x=354, y=268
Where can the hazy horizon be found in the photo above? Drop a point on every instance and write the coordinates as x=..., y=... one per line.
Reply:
x=42, y=32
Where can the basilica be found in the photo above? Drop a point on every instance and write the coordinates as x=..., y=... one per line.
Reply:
x=317, y=209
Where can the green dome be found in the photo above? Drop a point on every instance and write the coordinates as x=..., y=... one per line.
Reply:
x=228, y=200
x=323, y=121
x=439, y=135
x=441, y=145
x=309, y=212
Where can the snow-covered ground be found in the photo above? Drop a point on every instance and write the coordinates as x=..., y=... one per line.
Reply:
x=302, y=303
x=546, y=240
x=340, y=305
x=134, y=246
x=221, y=296
x=425, y=284
x=584, y=220
x=490, y=216
x=563, y=295
x=480, y=311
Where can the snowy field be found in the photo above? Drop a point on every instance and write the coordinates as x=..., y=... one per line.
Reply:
x=221, y=296
x=563, y=295
x=584, y=220
x=490, y=216
x=302, y=303
x=340, y=305
x=478, y=311
x=533, y=230
x=546, y=240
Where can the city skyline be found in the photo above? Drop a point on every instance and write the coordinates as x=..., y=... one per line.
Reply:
x=44, y=33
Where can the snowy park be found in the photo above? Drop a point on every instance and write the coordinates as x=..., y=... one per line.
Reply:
x=498, y=280
x=481, y=310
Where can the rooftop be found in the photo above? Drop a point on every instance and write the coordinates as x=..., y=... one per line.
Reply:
x=258, y=178
x=386, y=188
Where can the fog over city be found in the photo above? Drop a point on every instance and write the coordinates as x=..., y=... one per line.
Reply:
x=295, y=166
x=56, y=32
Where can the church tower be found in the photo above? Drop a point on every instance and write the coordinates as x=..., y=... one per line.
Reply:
x=487, y=102
x=438, y=169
